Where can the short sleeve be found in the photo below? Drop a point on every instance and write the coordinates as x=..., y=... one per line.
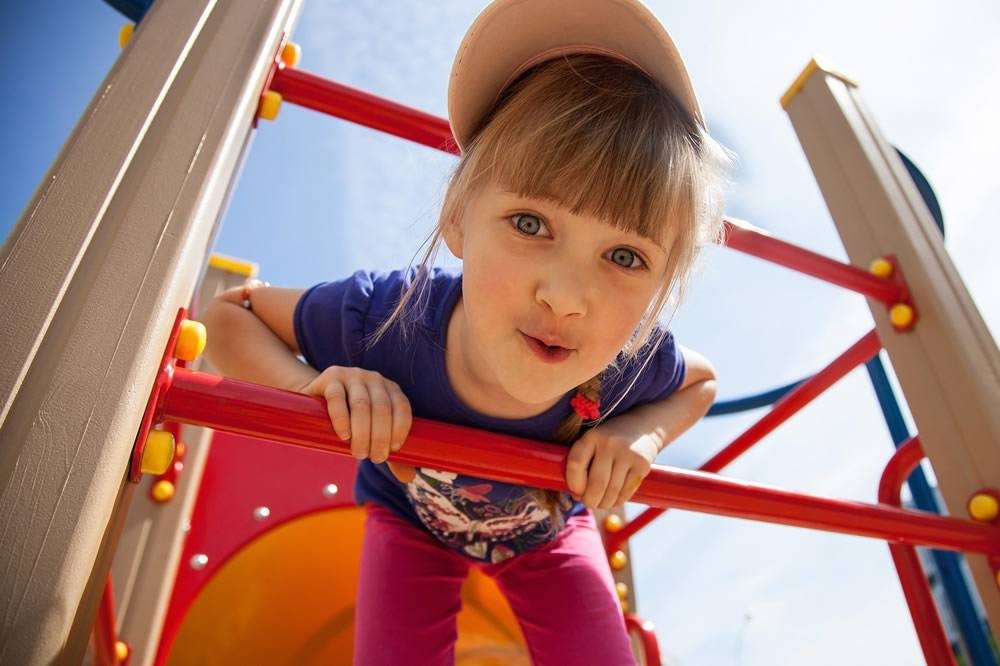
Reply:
x=645, y=378
x=330, y=320
x=668, y=370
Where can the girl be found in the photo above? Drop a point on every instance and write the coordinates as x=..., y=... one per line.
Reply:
x=587, y=184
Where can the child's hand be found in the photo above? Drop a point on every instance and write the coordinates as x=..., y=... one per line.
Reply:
x=608, y=463
x=379, y=417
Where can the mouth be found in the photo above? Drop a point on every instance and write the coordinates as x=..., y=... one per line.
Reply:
x=547, y=353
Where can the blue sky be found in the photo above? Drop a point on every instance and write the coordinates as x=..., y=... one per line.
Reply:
x=319, y=198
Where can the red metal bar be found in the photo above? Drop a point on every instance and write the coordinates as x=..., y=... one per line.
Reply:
x=647, y=636
x=927, y=622
x=336, y=99
x=759, y=244
x=104, y=629
x=302, y=420
x=858, y=353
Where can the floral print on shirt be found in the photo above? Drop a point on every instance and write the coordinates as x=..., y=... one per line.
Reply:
x=485, y=520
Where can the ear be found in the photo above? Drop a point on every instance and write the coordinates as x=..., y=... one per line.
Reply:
x=453, y=234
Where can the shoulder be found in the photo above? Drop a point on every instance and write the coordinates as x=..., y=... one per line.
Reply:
x=657, y=371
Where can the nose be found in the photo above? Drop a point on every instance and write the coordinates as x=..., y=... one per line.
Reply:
x=563, y=290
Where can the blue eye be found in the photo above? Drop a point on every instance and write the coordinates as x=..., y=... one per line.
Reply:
x=527, y=223
x=624, y=257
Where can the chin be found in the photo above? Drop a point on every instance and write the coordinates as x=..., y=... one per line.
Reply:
x=535, y=390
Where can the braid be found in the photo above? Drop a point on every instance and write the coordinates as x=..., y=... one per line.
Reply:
x=567, y=433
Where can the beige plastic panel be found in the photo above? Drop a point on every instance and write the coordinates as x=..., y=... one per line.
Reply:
x=153, y=537
x=949, y=365
x=91, y=277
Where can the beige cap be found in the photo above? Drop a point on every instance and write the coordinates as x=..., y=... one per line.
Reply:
x=509, y=36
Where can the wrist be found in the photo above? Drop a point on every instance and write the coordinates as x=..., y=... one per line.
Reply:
x=248, y=289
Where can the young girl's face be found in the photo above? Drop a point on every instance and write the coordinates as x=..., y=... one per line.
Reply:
x=533, y=269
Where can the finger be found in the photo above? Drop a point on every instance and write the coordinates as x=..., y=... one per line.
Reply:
x=577, y=463
x=336, y=405
x=631, y=485
x=381, y=430
x=361, y=417
x=402, y=417
x=405, y=473
x=618, y=476
x=597, y=479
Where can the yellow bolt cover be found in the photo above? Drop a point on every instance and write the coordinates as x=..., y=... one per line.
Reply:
x=901, y=315
x=190, y=340
x=613, y=523
x=622, y=589
x=121, y=650
x=881, y=268
x=984, y=507
x=270, y=105
x=290, y=54
x=159, y=452
x=163, y=491
x=624, y=606
x=125, y=34
x=618, y=560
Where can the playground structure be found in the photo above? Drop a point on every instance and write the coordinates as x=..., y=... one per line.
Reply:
x=117, y=239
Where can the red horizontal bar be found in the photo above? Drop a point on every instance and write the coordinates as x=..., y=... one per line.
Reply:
x=302, y=420
x=926, y=620
x=336, y=99
x=858, y=353
x=740, y=236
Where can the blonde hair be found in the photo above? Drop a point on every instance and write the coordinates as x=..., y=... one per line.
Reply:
x=601, y=138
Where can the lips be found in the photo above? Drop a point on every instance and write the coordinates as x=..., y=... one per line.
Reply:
x=546, y=353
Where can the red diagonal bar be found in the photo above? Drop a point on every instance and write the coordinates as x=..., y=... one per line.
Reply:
x=302, y=420
x=336, y=99
x=858, y=353
x=933, y=640
x=740, y=236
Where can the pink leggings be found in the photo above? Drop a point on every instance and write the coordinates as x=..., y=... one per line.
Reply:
x=409, y=595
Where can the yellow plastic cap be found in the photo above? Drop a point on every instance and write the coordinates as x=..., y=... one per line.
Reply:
x=881, y=268
x=291, y=53
x=190, y=340
x=984, y=507
x=121, y=650
x=159, y=452
x=901, y=315
x=618, y=560
x=270, y=104
x=622, y=589
x=613, y=523
x=163, y=491
x=125, y=34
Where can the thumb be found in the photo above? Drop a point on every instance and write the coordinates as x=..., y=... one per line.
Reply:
x=405, y=473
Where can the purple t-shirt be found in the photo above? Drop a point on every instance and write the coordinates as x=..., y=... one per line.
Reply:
x=483, y=519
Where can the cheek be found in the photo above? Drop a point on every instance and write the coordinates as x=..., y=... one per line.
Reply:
x=489, y=293
x=621, y=315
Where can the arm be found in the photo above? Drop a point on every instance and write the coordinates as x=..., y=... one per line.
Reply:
x=607, y=464
x=259, y=346
x=256, y=345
